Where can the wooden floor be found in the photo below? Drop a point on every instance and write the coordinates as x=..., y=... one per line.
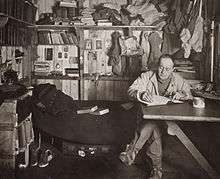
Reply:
x=177, y=164
x=177, y=161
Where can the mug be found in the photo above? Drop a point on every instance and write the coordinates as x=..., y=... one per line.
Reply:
x=198, y=102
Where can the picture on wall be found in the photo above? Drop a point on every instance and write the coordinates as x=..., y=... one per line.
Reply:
x=88, y=44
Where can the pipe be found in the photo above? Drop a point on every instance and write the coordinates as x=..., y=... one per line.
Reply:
x=212, y=51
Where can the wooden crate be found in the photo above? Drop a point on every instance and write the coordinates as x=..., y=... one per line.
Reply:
x=8, y=141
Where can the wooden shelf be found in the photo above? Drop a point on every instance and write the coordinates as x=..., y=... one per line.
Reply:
x=51, y=27
x=94, y=27
x=149, y=28
x=52, y=77
x=85, y=77
x=54, y=44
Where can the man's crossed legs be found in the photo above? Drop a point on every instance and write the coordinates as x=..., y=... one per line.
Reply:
x=149, y=132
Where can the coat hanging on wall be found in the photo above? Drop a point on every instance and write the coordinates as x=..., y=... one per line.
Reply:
x=3, y=21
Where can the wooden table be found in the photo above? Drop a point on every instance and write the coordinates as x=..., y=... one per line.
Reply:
x=186, y=112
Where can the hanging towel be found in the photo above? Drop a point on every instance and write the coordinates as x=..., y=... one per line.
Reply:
x=197, y=37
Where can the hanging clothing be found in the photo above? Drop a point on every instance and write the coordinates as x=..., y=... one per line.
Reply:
x=171, y=43
x=177, y=17
x=130, y=46
x=145, y=45
x=197, y=37
x=185, y=37
x=155, y=43
x=117, y=61
x=194, y=41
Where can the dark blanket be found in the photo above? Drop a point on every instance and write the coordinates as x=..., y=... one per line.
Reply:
x=115, y=127
x=50, y=100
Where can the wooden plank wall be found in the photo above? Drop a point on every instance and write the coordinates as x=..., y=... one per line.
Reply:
x=106, y=90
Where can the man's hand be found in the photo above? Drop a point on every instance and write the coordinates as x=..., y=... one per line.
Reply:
x=178, y=96
x=146, y=96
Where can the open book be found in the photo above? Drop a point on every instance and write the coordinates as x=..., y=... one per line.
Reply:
x=158, y=100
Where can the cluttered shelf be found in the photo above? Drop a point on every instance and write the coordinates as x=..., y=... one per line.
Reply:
x=94, y=27
x=85, y=77
x=16, y=19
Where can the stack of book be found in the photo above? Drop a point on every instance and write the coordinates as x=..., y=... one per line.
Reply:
x=41, y=68
x=87, y=21
x=87, y=18
x=104, y=22
x=72, y=72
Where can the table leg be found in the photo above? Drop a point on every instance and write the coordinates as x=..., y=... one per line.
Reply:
x=174, y=129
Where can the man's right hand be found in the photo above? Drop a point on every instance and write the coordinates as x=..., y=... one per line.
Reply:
x=146, y=96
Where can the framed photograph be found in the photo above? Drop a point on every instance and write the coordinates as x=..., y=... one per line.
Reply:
x=88, y=44
x=60, y=55
x=65, y=55
x=98, y=44
x=65, y=48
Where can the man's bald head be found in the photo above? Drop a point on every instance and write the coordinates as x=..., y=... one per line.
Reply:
x=165, y=66
x=166, y=59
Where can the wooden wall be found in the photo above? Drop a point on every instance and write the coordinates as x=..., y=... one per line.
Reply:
x=105, y=90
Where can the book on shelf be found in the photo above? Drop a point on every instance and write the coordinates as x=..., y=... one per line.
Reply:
x=182, y=62
x=54, y=37
x=68, y=4
x=60, y=38
x=71, y=72
x=100, y=111
x=48, y=54
x=185, y=67
x=78, y=23
x=46, y=37
x=87, y=109
x=64, y=37
x=104, y=22
x=69, y=38
x=186, y=70
x=49, y=37
x=41, y=39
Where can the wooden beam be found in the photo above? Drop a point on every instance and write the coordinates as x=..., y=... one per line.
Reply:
x=174, y=129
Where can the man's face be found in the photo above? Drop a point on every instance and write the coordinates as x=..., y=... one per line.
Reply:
x=165, y=68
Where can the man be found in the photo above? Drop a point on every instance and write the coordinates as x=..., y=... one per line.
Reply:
x=162, y=82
